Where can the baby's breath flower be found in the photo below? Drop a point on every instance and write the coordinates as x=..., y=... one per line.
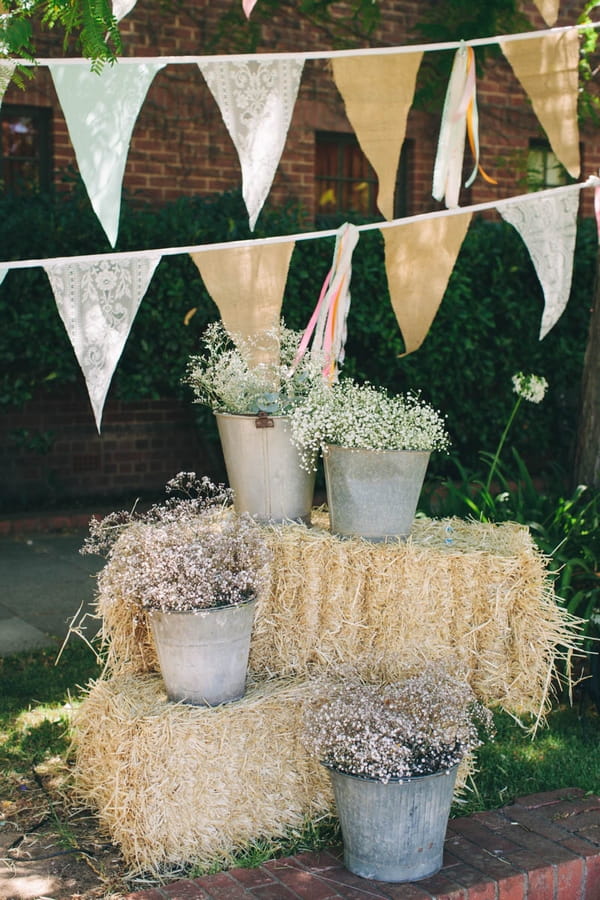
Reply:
x=530, y=387
x=229, y=376
x=190, y=552
x=362, y=416
x=420, y=726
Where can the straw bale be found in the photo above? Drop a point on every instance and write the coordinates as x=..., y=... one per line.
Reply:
x=470, y=592
x=178, y=784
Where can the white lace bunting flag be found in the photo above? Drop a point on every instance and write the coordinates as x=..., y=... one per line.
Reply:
x=122, y=8
x=101, y=111
x=548, y=227
x=256, y=100
x=378, y=92
x=98, y=302
x=7, y=67
x=419, y=258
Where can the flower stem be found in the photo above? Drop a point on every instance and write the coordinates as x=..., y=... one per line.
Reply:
x=501, y=443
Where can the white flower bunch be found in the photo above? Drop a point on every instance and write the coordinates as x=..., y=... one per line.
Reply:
x=229, y=376
x=530, y=387
x=189, y=553
x=362, y=416
x=420, y=726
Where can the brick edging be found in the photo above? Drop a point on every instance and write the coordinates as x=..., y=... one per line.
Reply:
x=542, y=847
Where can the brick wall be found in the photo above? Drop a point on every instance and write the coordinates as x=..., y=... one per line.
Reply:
x=50, y=451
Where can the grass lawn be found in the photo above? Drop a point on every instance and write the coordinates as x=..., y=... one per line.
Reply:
x=37, y=696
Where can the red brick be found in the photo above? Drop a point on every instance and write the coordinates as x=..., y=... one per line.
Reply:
x=441, y=885
x=270, y=892
x=318, y=861
x=222, y=887
x=513, y=888
x=570, y=882
x=251, y=877
x=592, y=877
x=486, y=863
x=305, y=884
x=547, y=798
x=146, y=895
x=541, y=883
x=186, y=890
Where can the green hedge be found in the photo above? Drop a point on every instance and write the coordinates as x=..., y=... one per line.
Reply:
x=486, y=329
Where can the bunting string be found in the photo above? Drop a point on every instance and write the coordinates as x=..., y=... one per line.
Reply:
x=319, y=54
x=592, y=181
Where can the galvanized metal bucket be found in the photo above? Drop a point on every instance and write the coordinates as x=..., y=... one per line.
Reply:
x=203, y=655
x=394, y=832
x=263, y=468
x=373, y=493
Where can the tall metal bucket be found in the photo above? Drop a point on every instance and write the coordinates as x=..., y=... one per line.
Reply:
x=394, y=832
x=263, y=468
x=373, y=493
x=203, y=655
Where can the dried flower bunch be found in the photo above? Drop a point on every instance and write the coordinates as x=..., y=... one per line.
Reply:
x=190, y=553
x=229, y=376
x=363, y=416
x=420, y=726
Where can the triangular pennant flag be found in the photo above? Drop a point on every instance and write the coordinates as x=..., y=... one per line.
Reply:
x=3, y=271
x=548, y=69
x=256, y=100
x=97, y=302
x=419, y=258
x=549, y=10
x=101, y=110
x=247, y=284
x=7, y=67
x=248, y=6
x=121, y=8
x=378, y=92
x=548, y=226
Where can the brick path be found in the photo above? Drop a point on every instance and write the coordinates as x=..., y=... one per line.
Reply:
x=543, y=847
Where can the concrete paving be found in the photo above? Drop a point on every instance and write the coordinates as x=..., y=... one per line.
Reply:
x=44, y=583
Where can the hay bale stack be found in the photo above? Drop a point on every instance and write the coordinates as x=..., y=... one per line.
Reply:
x=182, y=784
x=473, y=592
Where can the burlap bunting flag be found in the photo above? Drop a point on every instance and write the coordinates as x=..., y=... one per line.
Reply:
x=247, y=284
x=548, y=69
x=548, y=10
x=419, y=258
x=378, y=92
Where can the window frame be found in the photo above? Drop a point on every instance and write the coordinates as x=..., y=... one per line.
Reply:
x=42, y=117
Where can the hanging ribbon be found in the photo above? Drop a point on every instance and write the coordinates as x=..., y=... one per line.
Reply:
x=328, y=321
x=459, y=118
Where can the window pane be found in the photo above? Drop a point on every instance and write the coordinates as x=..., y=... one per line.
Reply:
x=25, y=148
x=344, y=179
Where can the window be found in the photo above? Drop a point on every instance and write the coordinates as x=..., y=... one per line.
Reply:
x=543, y=168
x=345, y=181
x=26, y=148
